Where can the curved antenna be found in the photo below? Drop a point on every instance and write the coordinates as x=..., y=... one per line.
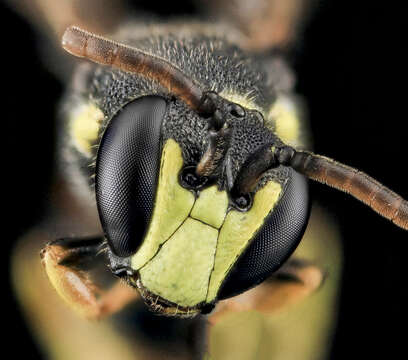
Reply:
x=98, y=49
x=347, y=179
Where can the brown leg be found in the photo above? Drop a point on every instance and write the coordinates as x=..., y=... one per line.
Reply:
x=62, y=260
x=290, y=284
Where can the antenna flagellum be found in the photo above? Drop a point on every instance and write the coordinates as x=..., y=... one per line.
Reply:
x=98, y=49
x=327, y=171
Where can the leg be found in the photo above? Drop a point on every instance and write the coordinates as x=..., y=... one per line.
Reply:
x=290, y=284
x=66, y=262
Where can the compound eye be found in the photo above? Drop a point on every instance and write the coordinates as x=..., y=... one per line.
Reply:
x=127, y=168
x=275, y=241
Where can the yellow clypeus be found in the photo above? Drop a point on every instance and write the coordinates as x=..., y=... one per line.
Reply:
x=180, y=271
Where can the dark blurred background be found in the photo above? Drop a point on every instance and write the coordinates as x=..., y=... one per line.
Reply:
x=351, y=69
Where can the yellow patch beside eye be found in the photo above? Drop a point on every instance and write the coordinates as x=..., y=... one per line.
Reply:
x=84, y=125
x=238, y=229
x=172, y=206
x=286, y=118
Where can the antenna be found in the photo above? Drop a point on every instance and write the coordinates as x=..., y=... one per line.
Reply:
x=346, y=179
x=98, y=49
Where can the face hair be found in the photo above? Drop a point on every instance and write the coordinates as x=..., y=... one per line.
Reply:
x=98, y=49
x=327, y=171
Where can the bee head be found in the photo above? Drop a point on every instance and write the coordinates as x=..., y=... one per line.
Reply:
x=200, y=198
x=181, y=194
x=180, y=191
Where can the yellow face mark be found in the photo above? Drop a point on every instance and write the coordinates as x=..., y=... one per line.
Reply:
x=211, y=207
x=172, y=206
x=238, y=229
x=181, y=269
x=84, y=126
x=286, y=117
x=191, y=244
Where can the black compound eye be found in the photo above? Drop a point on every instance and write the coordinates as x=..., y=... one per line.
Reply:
x=190, y=180
x=126, y=173
x=275, y=242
